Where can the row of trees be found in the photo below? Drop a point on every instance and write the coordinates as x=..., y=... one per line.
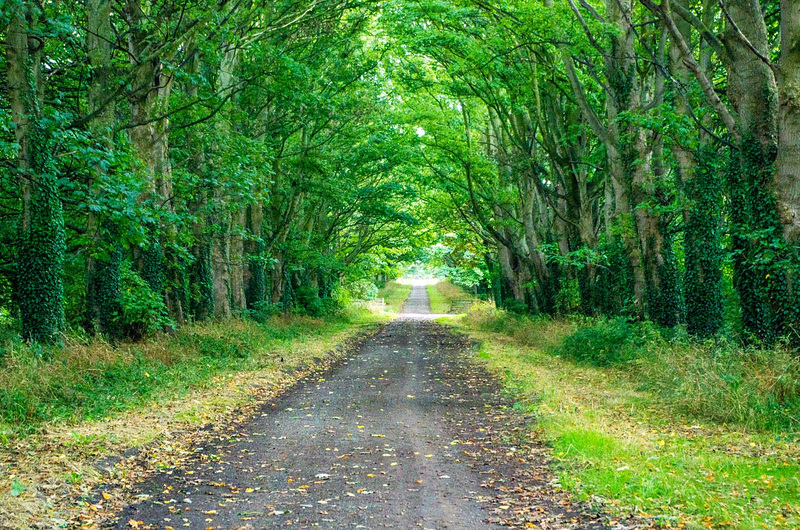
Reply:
x=619, y=157
x=166, y=161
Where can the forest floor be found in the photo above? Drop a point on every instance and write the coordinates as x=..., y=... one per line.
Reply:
x=405, y=432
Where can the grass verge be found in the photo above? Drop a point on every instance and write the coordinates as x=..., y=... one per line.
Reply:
x=442, y=295
x=394, y=294
x=91, y=402
x=624, y=435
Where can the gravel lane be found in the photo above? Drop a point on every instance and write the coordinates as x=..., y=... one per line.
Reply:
x=384, y=440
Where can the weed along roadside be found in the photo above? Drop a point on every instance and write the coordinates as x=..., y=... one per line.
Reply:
x=639, y=424
x=86, y=424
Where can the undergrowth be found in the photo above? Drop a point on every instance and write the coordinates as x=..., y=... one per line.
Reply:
x=442, y=295
x=718, y=380
x=87, y=379
x=682, y=433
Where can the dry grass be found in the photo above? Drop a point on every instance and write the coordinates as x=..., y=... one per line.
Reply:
x=639, y=436
x=56, y=463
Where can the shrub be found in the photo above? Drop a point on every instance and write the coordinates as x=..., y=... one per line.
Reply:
x=608, y=342
x=143, y=311
x=363, y=289
x=310, y=303
x=568, y=297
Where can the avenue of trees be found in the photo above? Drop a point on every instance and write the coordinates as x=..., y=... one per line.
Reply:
x=169, y=161
x=192, y=159
x=619, y=157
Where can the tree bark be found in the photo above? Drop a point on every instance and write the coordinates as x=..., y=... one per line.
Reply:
x=40, y=244
x=104, y=259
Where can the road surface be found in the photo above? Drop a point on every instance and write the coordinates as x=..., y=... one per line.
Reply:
x=407, y=433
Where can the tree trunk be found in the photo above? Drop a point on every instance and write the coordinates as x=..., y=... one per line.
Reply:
x=221, y=259
x=238, y=301
x=760, y=277
x=256, y=285
x=787, y=184
x=702, y=215
x=104, y=261
x=40, y=250
x=276, y=280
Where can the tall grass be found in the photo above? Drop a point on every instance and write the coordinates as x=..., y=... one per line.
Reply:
x=718, y=380
x=91, y=379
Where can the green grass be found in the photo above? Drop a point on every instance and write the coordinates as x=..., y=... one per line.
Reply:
x=91, y=380
x=442, y=294
x=617, y=435
x=395, y=295
x=63, y=409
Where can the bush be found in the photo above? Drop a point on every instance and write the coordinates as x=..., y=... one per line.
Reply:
x=363, y=289
x=309, y=302
x=515, y=306
x=568, y=298
x=608, y=342
x=143, y=311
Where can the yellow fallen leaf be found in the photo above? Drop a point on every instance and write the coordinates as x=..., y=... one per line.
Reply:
x=249, y=490
x=106, y=496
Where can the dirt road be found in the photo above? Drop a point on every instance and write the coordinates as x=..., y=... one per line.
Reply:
x=404, y=434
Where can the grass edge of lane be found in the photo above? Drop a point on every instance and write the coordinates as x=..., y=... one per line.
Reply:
x=613, y=445
x=394, y=295
x=442, y=294
x=63, y=453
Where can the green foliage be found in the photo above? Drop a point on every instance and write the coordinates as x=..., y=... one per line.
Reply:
x=40, y=247
x=363, y=289
x=607, y=342
x=703, y=248
x=143, y=310
x=568, y=298
x=310, y=303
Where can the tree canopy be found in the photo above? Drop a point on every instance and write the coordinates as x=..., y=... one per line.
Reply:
x=167, y=161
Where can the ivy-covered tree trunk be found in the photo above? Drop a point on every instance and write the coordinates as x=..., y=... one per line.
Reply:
x=238, y=300
x=761, y=256
x=104, y=261
x=201, y=280
x=650, y=255
x=702, y=189
x=40, y=244
x=256, y=283
x=702, y=246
